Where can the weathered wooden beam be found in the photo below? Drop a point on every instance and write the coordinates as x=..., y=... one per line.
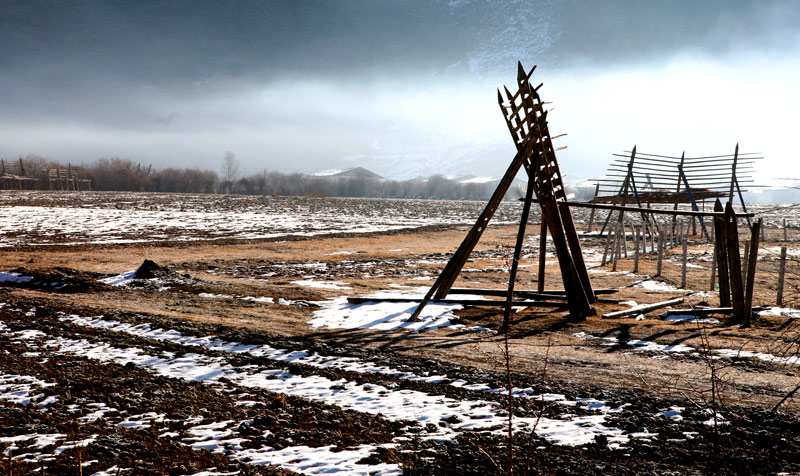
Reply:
x=703, y=311
x=734, y=263
x=781, y=276
x=450, y=272
x=521, y=292
x=542, y=255
x=641, y=309
x=578, y=301
x=653, y=211
x=751, y=272
x=721, y=245
x=465, y=302
x=575, y=251
x=512, y=274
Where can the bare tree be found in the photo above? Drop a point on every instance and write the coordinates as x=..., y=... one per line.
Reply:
x=230, y=170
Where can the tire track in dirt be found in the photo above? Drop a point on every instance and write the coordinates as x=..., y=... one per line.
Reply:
x=295, y=431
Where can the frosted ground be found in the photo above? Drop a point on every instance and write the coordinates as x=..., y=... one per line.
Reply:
x=38, y=218
x=258, y=359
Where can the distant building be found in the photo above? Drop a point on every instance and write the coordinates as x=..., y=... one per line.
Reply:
x=351, y=173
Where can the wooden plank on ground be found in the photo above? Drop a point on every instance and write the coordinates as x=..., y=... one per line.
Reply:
x=642, y=309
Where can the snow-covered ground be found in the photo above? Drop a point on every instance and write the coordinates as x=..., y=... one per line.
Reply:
x=72, y=219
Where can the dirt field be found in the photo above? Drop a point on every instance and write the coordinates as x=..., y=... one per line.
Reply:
x=239, y=356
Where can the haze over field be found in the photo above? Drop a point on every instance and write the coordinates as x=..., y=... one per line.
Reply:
x=402, y=88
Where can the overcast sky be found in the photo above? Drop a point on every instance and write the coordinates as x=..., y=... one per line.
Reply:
x=403, y=88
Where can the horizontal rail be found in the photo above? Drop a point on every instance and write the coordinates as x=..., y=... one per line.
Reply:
x=652, y=211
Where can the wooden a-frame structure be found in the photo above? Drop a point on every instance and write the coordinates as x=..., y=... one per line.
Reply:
x=526, y=118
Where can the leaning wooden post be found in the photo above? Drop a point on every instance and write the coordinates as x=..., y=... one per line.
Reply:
x=683, y=262
x=751, y=273
x=542, y=255
x=512, y=275
x=636, y=249
x=615, y=251
x=781, y=274
x=763, y=235
x=721, y=245
x=713, y=284
x=661, y=233
x=734, y=263
x=591, y=213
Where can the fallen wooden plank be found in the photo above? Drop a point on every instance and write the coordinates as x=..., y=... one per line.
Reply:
x=642, y=309
x=520, y=292
x=703, y=311
x=465, y=302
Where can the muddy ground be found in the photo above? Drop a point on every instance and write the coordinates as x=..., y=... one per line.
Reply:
x=119, y=402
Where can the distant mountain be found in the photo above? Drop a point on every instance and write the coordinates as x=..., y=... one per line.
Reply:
x=349, y=173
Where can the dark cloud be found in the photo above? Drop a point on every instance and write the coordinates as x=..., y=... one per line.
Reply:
x=199, y=68
x=171, y=43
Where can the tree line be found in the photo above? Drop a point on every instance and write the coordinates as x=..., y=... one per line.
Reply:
x=119, y=174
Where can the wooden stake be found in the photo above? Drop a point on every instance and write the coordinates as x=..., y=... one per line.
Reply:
x=683, y=266
x=542, y=254
x=636, y=249
x=751, y=273
x=605, y=248
x=744, y=260
x=615, y=252
x=641, y=309
x=653, y=237
x=721, y=245
x=661, y=233
x=785, y=235
x=712, y=286
x=781, y=274
x=624, y=240
x=512, y=274
x=734, y=264
x=591, y=213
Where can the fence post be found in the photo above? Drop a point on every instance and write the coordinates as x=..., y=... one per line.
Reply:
x=683, y=265
x=591, y=213
x=636, y=249
x=713, y=284
x=605, y=248
x=781, y=274
x=615, y=250
x=749, y=283
x=785, y=235
x=624, y=240
x=661, y=232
